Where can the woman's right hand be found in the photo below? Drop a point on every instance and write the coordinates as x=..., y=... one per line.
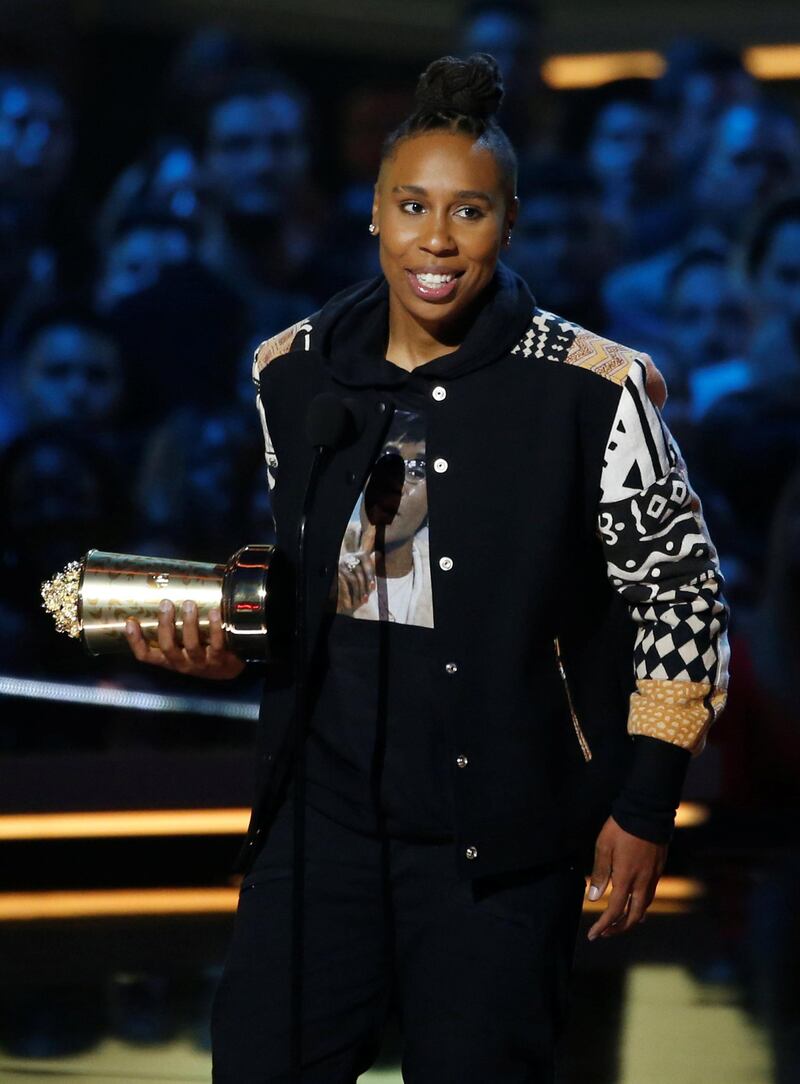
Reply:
x=212, y=660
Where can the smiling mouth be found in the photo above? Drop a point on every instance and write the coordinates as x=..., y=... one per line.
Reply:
x=433, y=285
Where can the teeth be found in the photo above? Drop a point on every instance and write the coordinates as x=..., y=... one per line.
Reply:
x=434, y=280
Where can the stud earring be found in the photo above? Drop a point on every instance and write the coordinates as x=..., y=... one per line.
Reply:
x=373, y=229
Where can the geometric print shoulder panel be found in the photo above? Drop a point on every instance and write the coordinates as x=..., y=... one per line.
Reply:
x=264, y=354
x=554, y=339
x=278, y=345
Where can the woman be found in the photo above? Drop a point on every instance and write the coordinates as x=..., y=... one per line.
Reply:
x=463, y=772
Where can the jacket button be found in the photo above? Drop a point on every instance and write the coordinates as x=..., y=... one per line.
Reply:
x=440, y=465
x=462, y=761
x=471, y=853
x=380, y=407
x=351, y=477
x=445, y=563
x=451, y=668
x=439, y=393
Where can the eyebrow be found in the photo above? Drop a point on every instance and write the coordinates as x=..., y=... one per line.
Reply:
x=465, y=193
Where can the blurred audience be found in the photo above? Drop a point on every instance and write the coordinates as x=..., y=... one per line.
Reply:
x=752, y=158
x=628, y=155
x=709, y=322
x=257, y=158
x=561, y=243
x=66, y=369
x=701, y=81
x=513, y=32
x=773, y=262
x=37, y=230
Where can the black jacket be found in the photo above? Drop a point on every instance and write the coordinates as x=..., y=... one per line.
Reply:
x=564, y=507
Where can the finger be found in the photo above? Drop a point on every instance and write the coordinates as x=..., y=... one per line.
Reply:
x=353, y=593
x=601, y=872
x=359, y=580
x=630, y=917
x=368, y=564
x=142, y=650
x=191, y=633
x=166, y=635
x=636, y=911
x=216, y=635
x=343, y=592
x=617, y=906
x=368, y=538
x=618, y=924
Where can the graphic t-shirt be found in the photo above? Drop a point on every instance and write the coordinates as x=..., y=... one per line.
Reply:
x=376, y=752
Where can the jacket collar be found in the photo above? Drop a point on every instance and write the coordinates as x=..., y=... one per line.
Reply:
x=352, y=330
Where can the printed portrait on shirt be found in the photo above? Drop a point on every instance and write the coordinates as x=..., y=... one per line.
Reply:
x=384, y=569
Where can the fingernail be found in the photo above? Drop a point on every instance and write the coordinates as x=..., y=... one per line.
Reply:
x=188, y=606
x=129, y=628
x=591, y=936
x=594, y=892
x=214, y=615
x=164, y=605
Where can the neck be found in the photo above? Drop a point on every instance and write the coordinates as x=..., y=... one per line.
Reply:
x=395, y=561
x=414, y=342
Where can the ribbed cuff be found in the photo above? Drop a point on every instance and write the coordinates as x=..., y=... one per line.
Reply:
x=648, y=802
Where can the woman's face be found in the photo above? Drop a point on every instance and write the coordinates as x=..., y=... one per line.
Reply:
x=442, y=211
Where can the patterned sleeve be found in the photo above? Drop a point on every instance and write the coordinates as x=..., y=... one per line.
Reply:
x=269, y=449
x=662, y=562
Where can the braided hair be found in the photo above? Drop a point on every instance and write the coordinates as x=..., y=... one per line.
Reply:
x=455, y=96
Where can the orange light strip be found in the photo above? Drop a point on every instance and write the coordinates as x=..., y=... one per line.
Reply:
x=773, y=61
x=674, y=895
x=107, y=903
x=112, y=824
x=571, y=71
x=180, y=822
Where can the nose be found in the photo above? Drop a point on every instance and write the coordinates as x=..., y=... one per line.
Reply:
x=435, y=236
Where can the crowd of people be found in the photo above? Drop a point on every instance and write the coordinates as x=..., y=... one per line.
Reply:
x=663, y=213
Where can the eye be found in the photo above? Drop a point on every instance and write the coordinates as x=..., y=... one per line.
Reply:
x=412, y=207
x=469, y=213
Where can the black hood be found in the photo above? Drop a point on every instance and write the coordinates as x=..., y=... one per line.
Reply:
x=352, y=330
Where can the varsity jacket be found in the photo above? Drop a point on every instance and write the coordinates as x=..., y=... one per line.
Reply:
x=579, y=624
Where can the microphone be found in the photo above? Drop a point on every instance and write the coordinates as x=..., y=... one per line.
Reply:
x=332, y=423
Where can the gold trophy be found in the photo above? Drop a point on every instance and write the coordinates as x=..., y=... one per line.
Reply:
x=91, y=599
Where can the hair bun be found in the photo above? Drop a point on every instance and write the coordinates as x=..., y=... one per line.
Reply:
x=471, y=88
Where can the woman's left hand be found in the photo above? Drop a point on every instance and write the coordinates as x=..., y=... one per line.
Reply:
x=633, y=865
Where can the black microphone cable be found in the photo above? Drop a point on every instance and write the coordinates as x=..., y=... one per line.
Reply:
x=330, y=424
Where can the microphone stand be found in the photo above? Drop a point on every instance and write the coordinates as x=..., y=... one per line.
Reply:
x=330, y=423
x=299, y=810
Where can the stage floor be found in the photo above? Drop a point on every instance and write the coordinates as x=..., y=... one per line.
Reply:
x=673, y=1027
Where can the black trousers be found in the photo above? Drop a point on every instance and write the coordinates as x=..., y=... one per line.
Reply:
x=479, y=969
